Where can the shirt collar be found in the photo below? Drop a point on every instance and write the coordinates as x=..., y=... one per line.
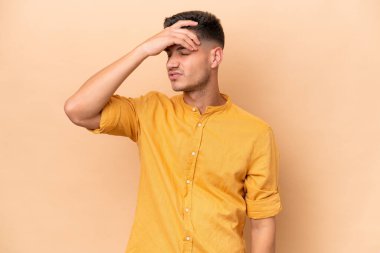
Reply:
x=209, y=108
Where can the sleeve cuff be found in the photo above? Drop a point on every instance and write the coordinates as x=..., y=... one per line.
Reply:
x=106, y=124
x=263, y=208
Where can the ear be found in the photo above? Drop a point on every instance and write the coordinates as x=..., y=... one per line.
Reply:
x=216, y=56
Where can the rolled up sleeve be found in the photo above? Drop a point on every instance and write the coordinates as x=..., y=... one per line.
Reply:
x=119, y=117
x=262, y=195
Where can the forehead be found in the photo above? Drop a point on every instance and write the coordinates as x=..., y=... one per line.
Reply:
x=206, y=45
x=174, y=47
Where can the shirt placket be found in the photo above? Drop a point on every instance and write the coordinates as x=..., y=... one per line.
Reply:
x=189, y=172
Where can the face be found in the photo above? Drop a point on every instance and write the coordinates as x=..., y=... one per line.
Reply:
x=193, y=67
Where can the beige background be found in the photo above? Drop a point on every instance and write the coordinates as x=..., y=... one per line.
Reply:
x=309, y=68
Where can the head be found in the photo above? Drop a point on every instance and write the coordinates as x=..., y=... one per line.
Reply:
x=198, y=68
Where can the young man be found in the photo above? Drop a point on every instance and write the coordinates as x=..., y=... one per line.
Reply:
x=205, y=162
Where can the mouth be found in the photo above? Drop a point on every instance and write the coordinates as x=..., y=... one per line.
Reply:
x=174, y=76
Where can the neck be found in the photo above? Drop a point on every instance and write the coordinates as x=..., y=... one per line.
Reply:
x=203, y=98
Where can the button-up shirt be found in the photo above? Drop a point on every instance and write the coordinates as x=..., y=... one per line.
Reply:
x=201, y=174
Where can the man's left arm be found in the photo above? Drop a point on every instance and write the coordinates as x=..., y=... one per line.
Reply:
x=262, y=193
x=263, y=233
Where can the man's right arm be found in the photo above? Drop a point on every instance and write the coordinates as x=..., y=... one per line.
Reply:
x=84, y=106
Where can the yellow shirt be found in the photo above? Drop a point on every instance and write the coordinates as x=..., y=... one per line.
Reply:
x=200, y=173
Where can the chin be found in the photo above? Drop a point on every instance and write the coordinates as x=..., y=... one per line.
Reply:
x=180, y=86
x=177, y=87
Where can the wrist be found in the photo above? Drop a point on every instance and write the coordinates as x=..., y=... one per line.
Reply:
x=140, y=50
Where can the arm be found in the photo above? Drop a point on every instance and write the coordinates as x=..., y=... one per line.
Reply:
x=84, y=106
x=263, y=232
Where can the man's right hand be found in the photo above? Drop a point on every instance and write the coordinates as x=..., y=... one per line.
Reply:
x=171, y=35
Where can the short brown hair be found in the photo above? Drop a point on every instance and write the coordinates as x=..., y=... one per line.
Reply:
x=208, y=27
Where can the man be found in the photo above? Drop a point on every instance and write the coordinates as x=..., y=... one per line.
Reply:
x=205, y=162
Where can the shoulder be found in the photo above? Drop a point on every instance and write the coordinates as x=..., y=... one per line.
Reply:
x=149, y=97
x=152, y=101
x=248, y=120
x=155, y=95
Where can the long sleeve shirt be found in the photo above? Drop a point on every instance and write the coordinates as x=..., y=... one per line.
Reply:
x=200, y=174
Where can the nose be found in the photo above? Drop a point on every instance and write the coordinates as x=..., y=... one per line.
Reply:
x=172, y=62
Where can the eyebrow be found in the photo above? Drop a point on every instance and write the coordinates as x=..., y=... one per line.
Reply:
x=178, y=48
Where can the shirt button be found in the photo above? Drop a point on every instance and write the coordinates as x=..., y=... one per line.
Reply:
x=194, y=109
x=188, y=238
x=187, y=210
x=193, y=153
x=199, y=124
x=188, y=181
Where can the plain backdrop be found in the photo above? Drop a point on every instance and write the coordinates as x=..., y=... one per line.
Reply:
x=308, y=68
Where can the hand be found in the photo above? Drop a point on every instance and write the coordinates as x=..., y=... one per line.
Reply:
x=171, y=35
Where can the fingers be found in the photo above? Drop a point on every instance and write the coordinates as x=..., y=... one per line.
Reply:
x=184, y=42
x=190, y=34
x=181, y=23
x=185, y=37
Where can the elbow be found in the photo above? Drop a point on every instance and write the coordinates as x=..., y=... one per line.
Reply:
x=70, y=111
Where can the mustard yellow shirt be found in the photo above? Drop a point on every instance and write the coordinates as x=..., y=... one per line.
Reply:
x=200, y=174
